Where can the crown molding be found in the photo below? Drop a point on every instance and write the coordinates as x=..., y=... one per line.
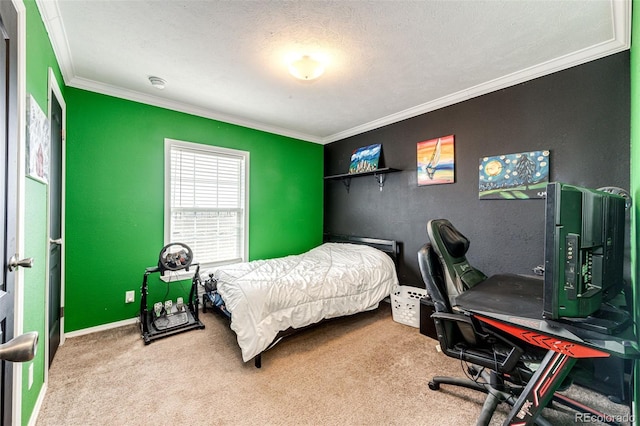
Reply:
x=131, y=95
x=50, y=14
x=620, y=41
x=52, y=20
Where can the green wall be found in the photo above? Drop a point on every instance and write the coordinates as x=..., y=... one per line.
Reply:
x=115, y=196
x=39, y=57
x=34, y=289
x=115, y=191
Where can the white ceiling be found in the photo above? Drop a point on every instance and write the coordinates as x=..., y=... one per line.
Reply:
x=389, y=60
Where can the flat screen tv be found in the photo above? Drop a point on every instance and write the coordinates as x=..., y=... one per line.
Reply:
x=584, y=256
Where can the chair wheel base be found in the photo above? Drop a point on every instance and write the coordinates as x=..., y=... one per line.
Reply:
x=434, y=386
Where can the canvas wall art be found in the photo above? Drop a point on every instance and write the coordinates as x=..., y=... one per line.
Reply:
x=38, y=141
x=514, y=176
x=365, y=159
x=436, y=161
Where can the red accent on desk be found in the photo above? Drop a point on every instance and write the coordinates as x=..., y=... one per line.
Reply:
x=547, y=342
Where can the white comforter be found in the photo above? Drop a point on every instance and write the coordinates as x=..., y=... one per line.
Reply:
x=332, y=280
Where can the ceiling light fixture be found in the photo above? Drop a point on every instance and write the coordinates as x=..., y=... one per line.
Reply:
x=306, y=67
x=157, y=82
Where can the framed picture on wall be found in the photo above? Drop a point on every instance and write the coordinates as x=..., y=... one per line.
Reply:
x=38, y=142
x=520, y=176
x=436, y=161
x=365, y=159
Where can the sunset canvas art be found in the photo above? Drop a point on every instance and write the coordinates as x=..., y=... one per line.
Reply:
x=436, y=163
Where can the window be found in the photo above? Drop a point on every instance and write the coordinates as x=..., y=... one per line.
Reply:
x=206, y=201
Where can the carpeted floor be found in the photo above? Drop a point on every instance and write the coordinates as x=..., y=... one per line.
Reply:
x=360, y=370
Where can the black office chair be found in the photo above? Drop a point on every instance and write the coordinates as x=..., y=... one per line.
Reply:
x=498, y=366
x=497, y=363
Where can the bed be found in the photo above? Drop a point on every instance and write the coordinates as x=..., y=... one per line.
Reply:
x=266, y=300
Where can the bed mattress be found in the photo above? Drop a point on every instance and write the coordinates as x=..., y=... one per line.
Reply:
x=265, y=297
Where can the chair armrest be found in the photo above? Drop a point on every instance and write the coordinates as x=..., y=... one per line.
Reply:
x=461, y=318
x=452, y=317
x=510, y=360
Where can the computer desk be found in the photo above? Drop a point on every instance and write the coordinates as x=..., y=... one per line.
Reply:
x=513, y=304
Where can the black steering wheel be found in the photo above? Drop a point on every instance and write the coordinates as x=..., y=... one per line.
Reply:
x=618, y=191
x=175, y=256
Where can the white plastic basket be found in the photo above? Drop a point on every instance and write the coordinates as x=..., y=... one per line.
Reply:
x=405, y=304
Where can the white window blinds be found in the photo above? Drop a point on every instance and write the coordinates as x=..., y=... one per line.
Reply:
x=206, y=190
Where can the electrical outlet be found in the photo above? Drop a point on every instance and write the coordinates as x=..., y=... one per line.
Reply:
x=130, y=296
x=30, y=375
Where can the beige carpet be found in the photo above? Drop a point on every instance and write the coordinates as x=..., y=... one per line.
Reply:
x=360, y=370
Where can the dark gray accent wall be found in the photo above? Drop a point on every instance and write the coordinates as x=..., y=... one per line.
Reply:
x=581, y=115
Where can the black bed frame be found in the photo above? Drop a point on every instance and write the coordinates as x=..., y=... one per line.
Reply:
x=390, y=247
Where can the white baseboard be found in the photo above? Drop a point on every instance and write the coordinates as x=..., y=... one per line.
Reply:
x=100, y=328
x=43, y=390
x=36, y=408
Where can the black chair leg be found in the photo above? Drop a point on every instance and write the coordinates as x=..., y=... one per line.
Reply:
x=490, y=385
x=495, y=397
x=435, y=383
x=488, y=408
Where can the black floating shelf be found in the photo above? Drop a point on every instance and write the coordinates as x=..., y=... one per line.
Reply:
x=379, y=174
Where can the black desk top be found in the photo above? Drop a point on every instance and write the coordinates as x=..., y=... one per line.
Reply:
x=506, y=294
x=517, y=300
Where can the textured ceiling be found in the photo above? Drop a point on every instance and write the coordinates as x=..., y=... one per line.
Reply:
x=389, y=60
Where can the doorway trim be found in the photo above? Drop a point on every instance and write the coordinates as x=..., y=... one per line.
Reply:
x=18, y=324
x=54, y=90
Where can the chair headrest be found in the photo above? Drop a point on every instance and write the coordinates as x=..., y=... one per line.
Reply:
x=451, y=247
x=456, y=244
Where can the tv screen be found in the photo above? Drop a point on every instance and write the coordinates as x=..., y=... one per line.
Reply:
x=584, y=251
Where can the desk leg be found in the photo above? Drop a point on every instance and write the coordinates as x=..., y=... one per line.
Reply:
x=540, y=389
